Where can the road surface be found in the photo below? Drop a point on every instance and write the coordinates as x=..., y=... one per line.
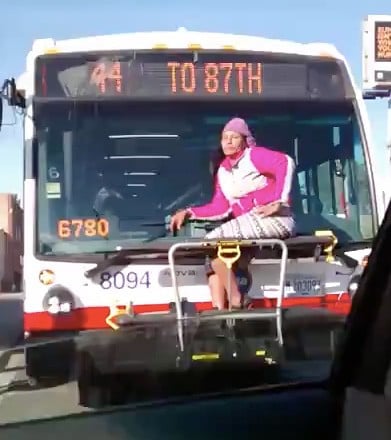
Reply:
x=24, y=403
x=11, y=328
x=20, y=402
x=11, y=331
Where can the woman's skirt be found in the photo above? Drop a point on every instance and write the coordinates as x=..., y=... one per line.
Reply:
x=252, y=226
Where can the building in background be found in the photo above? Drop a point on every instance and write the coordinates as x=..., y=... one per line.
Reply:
x=11, y=243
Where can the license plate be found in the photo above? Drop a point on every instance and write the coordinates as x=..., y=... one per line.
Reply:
x=303, y=286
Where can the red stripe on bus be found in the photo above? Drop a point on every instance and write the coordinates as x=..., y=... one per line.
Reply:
x=91, y=318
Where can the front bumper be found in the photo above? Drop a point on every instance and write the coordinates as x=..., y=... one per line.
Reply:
x=155, y=346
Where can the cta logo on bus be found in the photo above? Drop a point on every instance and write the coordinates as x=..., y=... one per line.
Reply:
x=46, y=277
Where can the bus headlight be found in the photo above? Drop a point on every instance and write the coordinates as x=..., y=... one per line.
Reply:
x=58, y=300
x=353, y=285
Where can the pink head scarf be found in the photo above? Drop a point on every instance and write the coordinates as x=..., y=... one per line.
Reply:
x=240, y=126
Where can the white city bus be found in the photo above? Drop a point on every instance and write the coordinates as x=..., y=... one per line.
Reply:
x=120, y=131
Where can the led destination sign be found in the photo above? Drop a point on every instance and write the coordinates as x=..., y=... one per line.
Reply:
x=178, y=76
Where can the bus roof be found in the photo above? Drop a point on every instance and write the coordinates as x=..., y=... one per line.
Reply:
x=179, y=39
x=182, y=39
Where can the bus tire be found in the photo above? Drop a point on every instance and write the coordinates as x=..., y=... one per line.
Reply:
x=49, y=365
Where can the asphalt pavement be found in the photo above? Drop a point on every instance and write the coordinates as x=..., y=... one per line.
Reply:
x=20, y=402
x=11, y=331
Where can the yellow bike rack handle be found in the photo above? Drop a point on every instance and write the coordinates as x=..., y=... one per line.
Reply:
x=328, y=249
x=228, y=252
x=115, y=312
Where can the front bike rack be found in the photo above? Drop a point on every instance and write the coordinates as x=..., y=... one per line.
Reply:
x=229, y=251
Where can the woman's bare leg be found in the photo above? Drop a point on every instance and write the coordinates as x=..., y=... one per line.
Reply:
x=270, y=227
x=217, y=291
x=222, y=272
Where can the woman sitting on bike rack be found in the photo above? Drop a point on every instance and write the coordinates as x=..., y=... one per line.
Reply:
x=252, y=188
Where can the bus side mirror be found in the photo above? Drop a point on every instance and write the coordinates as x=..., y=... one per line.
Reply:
x=1, y=111
x=13, y=96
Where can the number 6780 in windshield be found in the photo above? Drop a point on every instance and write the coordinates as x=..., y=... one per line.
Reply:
x=82, y=227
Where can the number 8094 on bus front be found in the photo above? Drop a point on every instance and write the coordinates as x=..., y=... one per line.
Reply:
x=119, y=280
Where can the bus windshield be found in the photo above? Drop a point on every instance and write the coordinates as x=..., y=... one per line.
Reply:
x=111, y=173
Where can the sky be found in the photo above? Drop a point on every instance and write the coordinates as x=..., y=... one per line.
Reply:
x=337, y=22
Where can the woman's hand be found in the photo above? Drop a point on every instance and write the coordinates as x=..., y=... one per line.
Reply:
x=178, y=219
x=268, y=210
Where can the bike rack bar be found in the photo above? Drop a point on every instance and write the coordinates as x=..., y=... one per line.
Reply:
x=219, y=244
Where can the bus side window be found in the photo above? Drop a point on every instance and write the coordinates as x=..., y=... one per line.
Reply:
x=51, y=185
x=322, y=190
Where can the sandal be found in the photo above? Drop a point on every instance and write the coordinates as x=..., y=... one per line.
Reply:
x=246, y=302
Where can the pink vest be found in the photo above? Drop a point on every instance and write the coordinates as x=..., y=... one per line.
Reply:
x=260, y=176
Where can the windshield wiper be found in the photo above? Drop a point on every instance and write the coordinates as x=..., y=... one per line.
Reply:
x=355, y=245
x=126, y=253
x=342, y=248
x=117, y=258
